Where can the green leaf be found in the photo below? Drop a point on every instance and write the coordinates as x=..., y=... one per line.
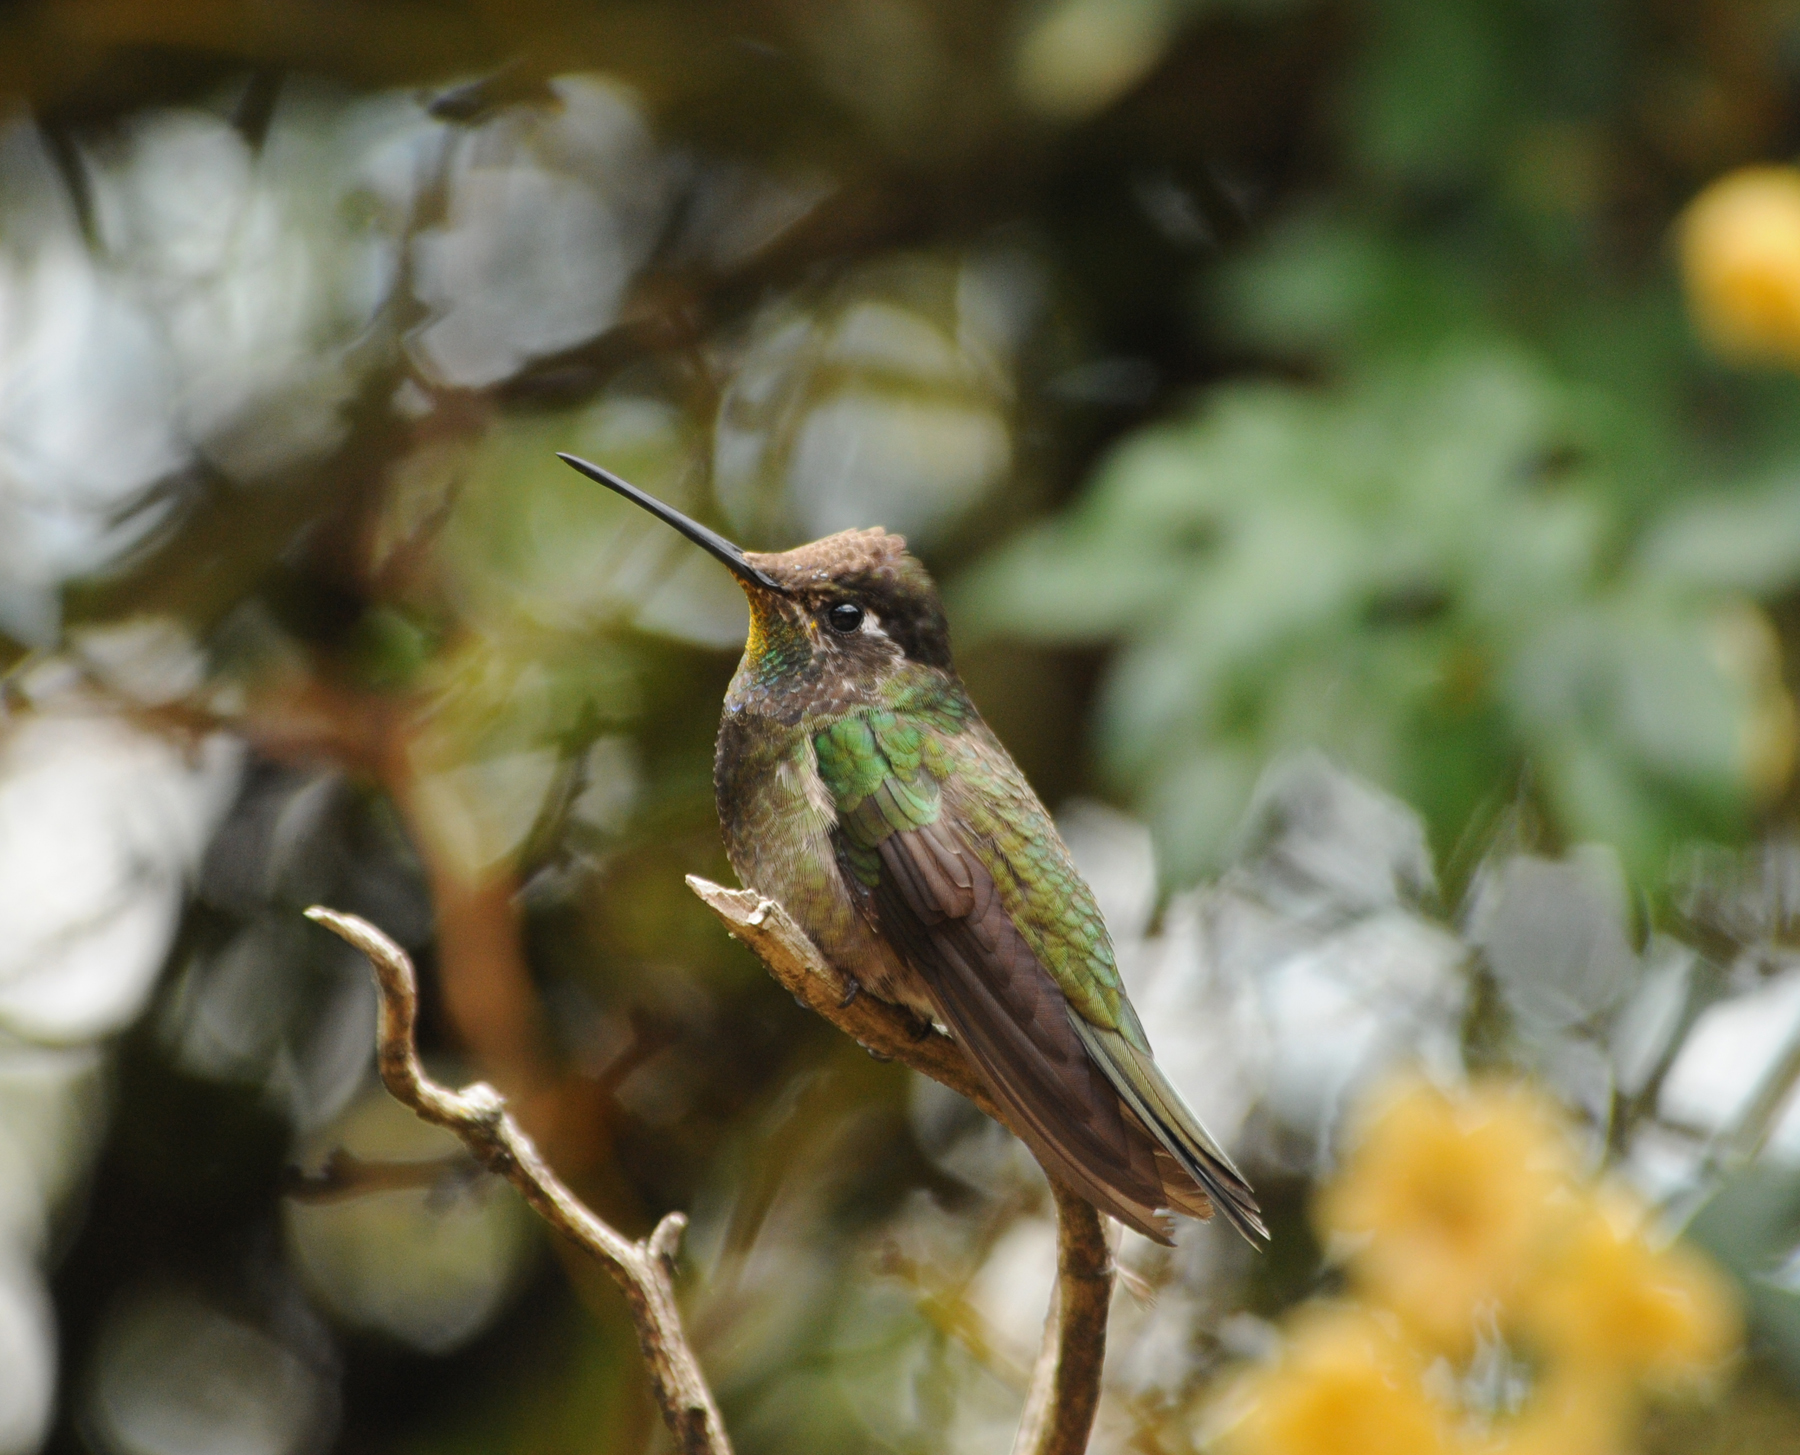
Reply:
x=1433, y=89
x=1744, y=542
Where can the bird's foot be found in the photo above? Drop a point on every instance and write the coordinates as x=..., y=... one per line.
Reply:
x=850, y=994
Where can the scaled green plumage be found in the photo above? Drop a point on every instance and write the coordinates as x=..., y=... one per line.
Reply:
x=883, y=780
x=891, y=771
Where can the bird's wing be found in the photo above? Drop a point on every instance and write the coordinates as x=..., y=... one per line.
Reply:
x=966, y=876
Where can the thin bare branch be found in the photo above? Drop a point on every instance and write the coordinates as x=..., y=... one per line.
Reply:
x=1065, y=1386
x=644, y=1270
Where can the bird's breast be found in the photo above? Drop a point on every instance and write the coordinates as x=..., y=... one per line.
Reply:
x=778, y=819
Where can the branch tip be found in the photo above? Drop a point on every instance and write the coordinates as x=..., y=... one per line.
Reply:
x=665, y=1242
x=360, y=933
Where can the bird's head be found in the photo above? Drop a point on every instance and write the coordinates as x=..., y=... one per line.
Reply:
x=852, y=607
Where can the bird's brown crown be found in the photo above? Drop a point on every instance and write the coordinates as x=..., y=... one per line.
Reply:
x=848, y=554
x=872, y=569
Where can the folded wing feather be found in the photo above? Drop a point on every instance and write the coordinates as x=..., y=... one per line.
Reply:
x=1092, y=1105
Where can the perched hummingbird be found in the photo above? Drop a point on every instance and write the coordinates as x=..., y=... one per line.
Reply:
x=859, y=788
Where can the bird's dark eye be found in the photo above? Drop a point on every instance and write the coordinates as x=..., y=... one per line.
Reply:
x=845, y=617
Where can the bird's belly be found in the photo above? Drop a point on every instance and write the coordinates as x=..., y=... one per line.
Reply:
x=778, y=837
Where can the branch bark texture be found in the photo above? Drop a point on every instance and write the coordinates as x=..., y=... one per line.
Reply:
x=1065, y=1386
x=643, y=1269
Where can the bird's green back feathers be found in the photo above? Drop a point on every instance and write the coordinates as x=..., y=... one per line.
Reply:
x=928, y=754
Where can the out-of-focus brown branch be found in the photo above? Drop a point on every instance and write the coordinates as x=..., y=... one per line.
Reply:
x=488, y=998
x=644, y=1270
x=346, y=1175
x=1065, y=1386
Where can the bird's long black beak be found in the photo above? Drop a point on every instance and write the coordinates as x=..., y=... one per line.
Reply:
x=707, y=540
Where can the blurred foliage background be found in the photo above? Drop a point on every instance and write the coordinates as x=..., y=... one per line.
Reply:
x=1360, y=441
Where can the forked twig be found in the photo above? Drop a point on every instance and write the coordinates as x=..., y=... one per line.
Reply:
x=1065, y=1386
x=644, y=1269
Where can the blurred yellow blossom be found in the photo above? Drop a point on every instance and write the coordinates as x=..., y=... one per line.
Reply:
x=1446, y=1196
x=1740, y=255
x=1570, y=1412
x=1469, y=1233
x=1607, y=1298
x=1346, y=1383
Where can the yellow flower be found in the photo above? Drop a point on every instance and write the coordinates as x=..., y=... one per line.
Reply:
x=1462, y=1215
x=1740, y=255
x=1447, y=1195
x=1571, y=1414
x=1606, y=1300
x=1345, y=1384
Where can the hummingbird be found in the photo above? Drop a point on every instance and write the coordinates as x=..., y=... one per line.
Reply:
x=859, y=788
